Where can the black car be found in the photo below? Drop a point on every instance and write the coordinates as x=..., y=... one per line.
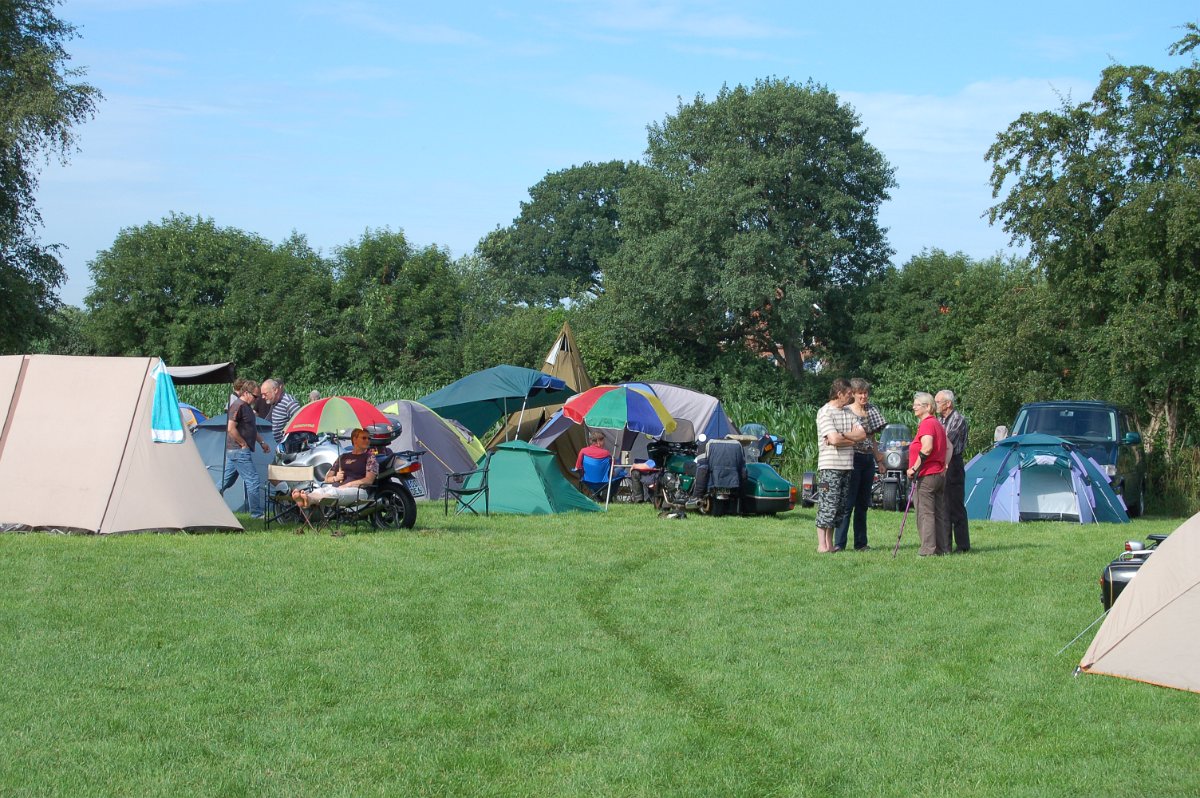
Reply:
x=1101, y=431
x=1118, y=573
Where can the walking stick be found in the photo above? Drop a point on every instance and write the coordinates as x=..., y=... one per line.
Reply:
x=911, y=490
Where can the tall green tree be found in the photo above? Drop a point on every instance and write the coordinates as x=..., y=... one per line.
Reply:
x=192, y=292
x=916, y=328
x=1106, y=193
x=41, y=101
x=754, y=214
x=553, y=250
x=399, y=308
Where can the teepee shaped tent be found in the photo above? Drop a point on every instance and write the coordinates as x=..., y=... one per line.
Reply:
x=1149, y=634
x=126, y=482
x=562, y=361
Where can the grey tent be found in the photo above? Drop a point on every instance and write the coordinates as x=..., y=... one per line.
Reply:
x=443, y=444
x=126, y=482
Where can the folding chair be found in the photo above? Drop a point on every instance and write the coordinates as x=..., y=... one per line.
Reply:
x=466, y=487
x=281, y=479
x=599, y=479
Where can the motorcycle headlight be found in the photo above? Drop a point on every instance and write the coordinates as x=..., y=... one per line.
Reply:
x=893, y=460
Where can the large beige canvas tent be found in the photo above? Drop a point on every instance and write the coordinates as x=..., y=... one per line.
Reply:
x=117, y=480
x=1150, y=632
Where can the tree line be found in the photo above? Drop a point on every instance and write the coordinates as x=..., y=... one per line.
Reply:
x=741, y=256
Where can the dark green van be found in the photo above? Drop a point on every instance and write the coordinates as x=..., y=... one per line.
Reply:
x=1101, y=431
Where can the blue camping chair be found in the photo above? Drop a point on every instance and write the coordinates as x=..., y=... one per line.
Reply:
x=595, y=479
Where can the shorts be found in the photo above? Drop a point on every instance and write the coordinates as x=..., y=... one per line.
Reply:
x=832, y=489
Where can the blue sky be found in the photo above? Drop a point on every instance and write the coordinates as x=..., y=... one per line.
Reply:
x=329, y=118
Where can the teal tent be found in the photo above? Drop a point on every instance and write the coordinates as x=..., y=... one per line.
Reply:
x=479, y=400
x=1040, y=478
x=525, y=479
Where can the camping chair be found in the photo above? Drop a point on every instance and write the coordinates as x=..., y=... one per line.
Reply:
x=466, y=487
x=595, y=479
x=281, y=479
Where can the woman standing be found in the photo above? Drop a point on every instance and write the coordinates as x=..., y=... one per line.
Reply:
x=927, y=465
x=862, y=477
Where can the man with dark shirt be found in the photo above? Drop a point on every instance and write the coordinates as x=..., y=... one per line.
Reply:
x=241, y=436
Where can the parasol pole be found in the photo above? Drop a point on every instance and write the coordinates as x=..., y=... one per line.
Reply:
x=521, y=418
x=612, y=461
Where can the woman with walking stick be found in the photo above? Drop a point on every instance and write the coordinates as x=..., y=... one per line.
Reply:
x=927, y=465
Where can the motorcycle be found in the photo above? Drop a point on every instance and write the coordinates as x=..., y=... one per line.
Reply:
x=392, y=504
x=762, y=492
x=890, y=489
x=763, y=447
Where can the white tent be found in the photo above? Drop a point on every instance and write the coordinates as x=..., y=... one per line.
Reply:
x=1150, y=632
x=117, y=479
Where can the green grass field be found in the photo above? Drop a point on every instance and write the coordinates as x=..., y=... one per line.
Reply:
x=584, y=655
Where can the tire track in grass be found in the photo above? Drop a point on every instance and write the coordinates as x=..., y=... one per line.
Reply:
x=596, y=600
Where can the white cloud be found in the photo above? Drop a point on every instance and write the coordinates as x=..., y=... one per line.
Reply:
x=354, y=74
x=936, y=145
x=397, y=24
x=677, y=19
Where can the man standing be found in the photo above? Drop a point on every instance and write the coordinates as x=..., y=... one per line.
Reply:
x=862, y=476
x=241, y=436
x=837, y=432
x=283, y=406
x=956, y=437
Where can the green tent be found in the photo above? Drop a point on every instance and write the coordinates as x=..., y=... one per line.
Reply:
x=1038, y=477
x=525, y=479
x=479, y=400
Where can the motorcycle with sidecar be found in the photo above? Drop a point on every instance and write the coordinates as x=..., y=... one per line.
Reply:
x=759, y=489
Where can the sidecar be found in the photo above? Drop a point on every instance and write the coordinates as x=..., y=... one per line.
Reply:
x=764, y=491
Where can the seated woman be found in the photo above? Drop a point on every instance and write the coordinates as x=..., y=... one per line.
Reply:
x=355, y=469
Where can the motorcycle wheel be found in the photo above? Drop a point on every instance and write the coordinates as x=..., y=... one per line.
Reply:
x=397, y=509
x=657, y=499
x=891, y=496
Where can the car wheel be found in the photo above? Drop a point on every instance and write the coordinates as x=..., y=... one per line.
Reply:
x=1136, y=508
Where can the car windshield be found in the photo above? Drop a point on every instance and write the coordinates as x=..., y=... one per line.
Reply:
x=1072, y=423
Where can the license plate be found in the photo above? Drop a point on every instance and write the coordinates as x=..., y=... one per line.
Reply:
x=414, y=487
